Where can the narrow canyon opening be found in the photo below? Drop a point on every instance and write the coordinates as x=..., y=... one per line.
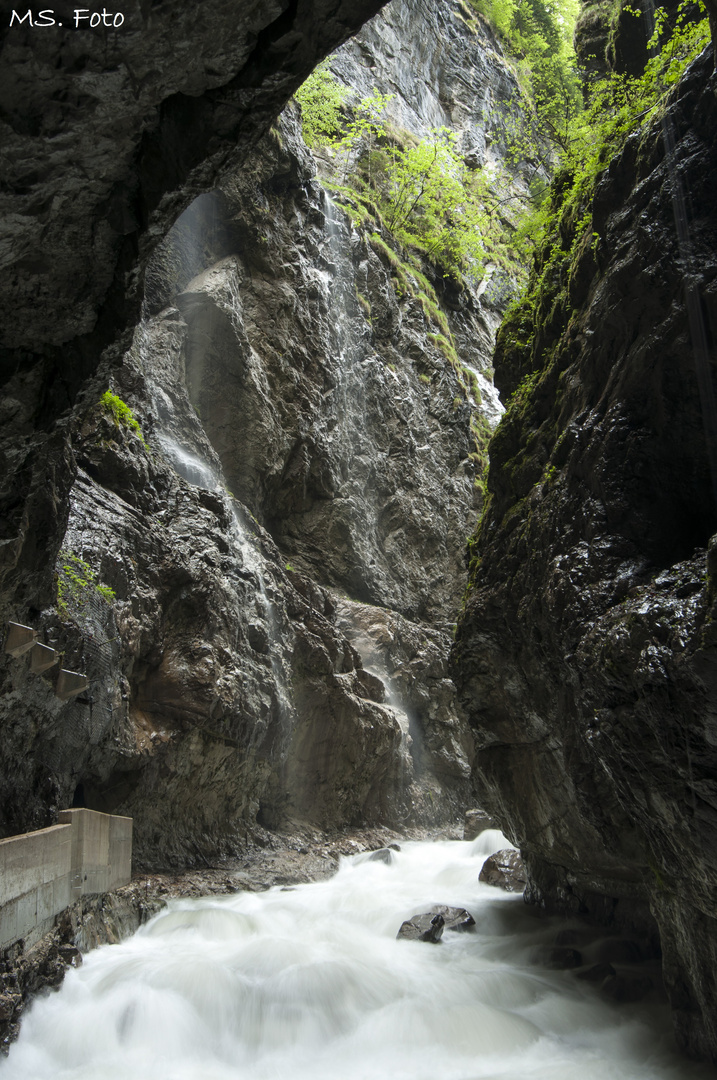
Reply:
x=359, y=471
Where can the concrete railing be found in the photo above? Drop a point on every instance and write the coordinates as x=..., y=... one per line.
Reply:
x=43, y=872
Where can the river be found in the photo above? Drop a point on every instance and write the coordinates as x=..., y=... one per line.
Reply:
x=310, y=982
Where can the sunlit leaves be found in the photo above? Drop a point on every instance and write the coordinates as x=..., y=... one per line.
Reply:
x=321, y=97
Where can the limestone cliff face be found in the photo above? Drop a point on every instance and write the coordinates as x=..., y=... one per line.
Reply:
x=442, y=66
x=107, y=137
x=285, y=546
x=586, y=655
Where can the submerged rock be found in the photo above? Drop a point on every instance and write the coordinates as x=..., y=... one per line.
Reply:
x=626, y=988
x=382, y=855
x=559, y=957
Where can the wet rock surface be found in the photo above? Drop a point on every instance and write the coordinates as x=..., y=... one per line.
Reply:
x=625, y=970
x=108, y=135
x=454, y=918
x=284, y=542
x=411, y=660
x=354, y=450
x=425, y=927
x=430, y=925
x=476, y=822
x=140, y=120
x=504, y=870
x=586, y=657
x=381, y=855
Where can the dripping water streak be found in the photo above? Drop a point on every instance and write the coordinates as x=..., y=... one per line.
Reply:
x=198, y=472
x=191, y=468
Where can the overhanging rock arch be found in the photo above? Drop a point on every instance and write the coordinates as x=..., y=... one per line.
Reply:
x=108, y=136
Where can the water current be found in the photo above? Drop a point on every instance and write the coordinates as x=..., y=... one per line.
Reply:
x=310, y=982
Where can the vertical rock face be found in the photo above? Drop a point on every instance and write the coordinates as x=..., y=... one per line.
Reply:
x=586, y=657
x=107, y=136
x=285, y=539
x=110, y=133
x=360, y=471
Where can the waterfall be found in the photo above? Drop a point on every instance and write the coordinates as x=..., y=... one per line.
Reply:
x=310, y=983
x=198, y=471
x=191, y=468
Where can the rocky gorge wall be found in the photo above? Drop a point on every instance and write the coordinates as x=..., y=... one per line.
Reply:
x=586, y=656
x=107, y=137
x=267, y=610
x=283, y=534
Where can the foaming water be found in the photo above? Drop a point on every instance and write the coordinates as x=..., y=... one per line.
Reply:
x=311, y=982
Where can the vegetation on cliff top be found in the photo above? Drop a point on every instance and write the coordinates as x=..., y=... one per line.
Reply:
x=567, y=245
x=561, y=230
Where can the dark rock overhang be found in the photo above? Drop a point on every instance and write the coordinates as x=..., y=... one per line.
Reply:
x=108, y=134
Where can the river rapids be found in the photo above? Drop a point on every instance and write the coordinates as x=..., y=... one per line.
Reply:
x=310, y=982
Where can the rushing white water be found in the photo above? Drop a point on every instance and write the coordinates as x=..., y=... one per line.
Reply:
x=310, y=983
x=493, y=407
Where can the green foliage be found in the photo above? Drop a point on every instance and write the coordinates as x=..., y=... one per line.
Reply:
x=538, y=34
x=122, y=414
x=366, y=126
x=77, y=583
x=433, y=202
x=563, y=232
x=321, y=97
x=618, y=105
x=422, y=192
x=421, y=203
x=364, y=304
x=448, y=349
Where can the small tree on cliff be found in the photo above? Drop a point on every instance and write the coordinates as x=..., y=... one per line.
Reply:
x=321, y=97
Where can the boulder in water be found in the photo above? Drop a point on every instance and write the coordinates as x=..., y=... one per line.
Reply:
x=425, y=927
x=381, y=855
x=504, y=870
x=455, y=918
x=430, y=925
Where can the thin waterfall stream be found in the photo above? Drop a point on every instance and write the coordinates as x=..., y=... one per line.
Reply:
x=310, y=982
